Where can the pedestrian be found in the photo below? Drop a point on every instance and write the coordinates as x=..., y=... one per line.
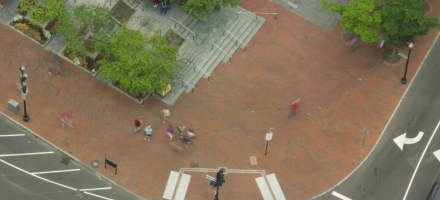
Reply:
x=186, y=139
x=180, y=128
x=148, y=131
x=191, y=133
x=170, y=131
x=137, y=124
x=66, y=119
x=294, y=108
x=166, y=114
x=164, y=7
x=354, y=43
x=155, y=3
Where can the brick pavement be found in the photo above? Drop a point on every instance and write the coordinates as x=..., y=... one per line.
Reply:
x=340, y=92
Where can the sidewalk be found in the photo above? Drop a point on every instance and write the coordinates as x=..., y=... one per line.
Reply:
x=341, y=92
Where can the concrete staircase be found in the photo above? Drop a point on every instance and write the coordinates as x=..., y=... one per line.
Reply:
x=202, y=57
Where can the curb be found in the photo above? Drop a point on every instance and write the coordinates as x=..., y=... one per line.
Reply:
x=386, y=126
x=72, y=157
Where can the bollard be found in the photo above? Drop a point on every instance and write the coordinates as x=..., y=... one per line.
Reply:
x=276, y=16
x=256, y=16
x=212, y=46
x=230, y=60
x=208, y=78
x=192, y=91
x=194, y=36
x=175, y=25
x=236, y=42
x=237, y=15
x=194, y=69
x=223, y=31
x=245, y=48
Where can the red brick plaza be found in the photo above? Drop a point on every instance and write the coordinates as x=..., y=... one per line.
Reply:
x=341, y=92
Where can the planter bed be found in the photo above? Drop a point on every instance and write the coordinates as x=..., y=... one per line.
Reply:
x=52, y=26
x=139, y=100
x=33, y=32
x=3, y=1
x=86, y=65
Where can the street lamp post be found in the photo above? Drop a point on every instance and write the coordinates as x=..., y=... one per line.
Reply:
x=25, y=90
x=403, y=81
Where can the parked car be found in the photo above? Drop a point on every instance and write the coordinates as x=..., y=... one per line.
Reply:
x=434, y=193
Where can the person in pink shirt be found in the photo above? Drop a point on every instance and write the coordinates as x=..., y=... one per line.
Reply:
x=294, y=108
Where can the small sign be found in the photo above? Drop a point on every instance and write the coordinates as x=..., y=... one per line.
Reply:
x=23, y=96
x=211, y=178
x=269, y=136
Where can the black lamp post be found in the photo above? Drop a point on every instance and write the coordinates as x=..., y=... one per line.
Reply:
x=25, y=90
x=403, y=81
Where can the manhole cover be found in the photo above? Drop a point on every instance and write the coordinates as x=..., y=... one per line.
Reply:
x=95, y=164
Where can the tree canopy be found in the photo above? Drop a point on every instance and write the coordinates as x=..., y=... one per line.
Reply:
x=140, y=63
x=201, y=9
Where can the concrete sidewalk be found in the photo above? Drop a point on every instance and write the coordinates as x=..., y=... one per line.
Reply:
x=341, y=92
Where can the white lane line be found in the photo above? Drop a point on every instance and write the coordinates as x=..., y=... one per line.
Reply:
x=11, y=135
x=97, y=196
x=264, y=188
x=171, y=185
x=276, y=189
x=59, y=184
x=59, y=171
x=418, y=164
x=90, y=189
x=183, y=187
x=340, y=196
x=65, y=186
x=25, y=154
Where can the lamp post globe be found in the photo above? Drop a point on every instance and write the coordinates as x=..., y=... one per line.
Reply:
x=403, y=80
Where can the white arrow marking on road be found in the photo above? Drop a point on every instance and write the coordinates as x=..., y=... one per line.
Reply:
x=437, y=154
x=401, y=140
x=340, y=196
x=421, y=157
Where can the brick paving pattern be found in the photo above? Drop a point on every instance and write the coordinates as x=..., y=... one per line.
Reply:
x=289, y=58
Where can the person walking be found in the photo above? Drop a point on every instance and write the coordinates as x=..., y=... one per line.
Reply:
x=166, y=114
x=164, y=7
x=66, y=119
x=294, y=108
x=186, y=140
x=170, y=131
x=137, y=124
x=354, y=43
x=148, y=131
x=180, y=128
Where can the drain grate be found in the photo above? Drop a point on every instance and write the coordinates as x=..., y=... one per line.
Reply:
x=194, y=165
x=65, y=159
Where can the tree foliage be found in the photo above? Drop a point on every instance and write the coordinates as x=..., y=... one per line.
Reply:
x=98, y=20
x=406, y=20
x=201, y=9
x=361, y=17
x=140, y=63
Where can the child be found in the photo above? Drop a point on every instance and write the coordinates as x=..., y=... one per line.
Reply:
x=166, y=114
x=294, y=108
x=148, y=131
x=180, y=129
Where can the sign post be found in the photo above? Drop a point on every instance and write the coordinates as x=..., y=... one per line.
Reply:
x=268, y=138
x=366, y=132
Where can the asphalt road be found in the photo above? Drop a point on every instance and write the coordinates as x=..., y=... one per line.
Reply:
x=386, y=174
x=32, y=177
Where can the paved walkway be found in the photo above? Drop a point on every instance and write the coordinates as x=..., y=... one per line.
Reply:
x=341, y=92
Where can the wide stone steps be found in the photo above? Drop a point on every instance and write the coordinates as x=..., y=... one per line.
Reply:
x=243, y=30
x=189, y=23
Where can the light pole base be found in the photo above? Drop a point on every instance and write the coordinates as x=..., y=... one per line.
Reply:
x=25, y=118
x=403, y=81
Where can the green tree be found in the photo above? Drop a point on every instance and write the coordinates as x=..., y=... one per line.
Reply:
x=362, y=17
x=201, y=9
x=405, y=20
x=98, y=20
x=140, y=63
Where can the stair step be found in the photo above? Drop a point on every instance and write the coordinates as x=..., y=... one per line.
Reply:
x=203, y=65
x=187, y=33
x=246, y=15
x=253, y=32
x=179, y=28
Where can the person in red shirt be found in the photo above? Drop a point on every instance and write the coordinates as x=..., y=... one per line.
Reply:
x=137, y=124
x=294, y=108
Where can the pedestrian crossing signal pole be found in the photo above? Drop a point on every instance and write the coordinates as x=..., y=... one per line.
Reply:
x=219, y=182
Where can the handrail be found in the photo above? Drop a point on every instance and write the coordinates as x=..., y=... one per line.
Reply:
x=256, y=14
x=209, y=75
x=192, y=89
x=183, y=26
x=212, y=48
x=245, y=45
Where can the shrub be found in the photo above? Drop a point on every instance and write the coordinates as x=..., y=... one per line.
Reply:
x=47, y=34
x=21, y=26
x=18, y=18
